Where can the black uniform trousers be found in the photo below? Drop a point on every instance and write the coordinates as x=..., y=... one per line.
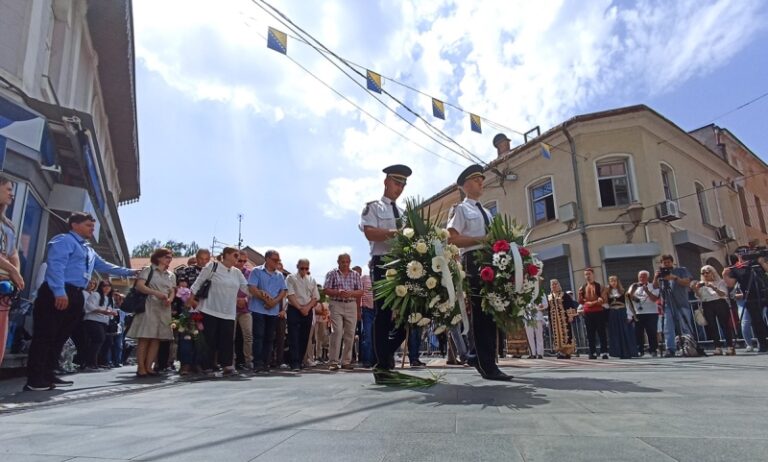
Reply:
x=52, y=329
x=482, y=323
x=387, y=338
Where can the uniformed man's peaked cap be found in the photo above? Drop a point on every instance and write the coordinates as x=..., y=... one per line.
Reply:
x=398, y=172
x=469, y=173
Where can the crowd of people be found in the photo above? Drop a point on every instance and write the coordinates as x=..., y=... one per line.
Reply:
x=215, y=316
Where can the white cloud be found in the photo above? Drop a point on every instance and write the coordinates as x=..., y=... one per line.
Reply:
x=520, y=64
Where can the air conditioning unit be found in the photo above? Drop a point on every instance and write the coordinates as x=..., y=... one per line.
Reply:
x=567, y=212
x=725, y=233
x=668, y=211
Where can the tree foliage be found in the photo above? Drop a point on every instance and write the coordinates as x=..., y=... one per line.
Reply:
x=179, y=249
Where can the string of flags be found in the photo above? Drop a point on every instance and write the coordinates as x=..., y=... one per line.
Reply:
x=278, y=41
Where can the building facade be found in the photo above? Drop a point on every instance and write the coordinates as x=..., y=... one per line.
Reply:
x=68, y=133
x=616, y=190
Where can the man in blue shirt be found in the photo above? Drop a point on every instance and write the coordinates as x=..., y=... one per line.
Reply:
x=673, y=283
x=267, y=287
x=59, y=304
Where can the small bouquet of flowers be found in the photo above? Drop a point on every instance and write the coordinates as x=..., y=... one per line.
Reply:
x=424, y=280
x=188, y=323
x=510, y=274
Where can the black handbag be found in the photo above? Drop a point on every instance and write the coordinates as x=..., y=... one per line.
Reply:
x=205, y=287
x=136, y=302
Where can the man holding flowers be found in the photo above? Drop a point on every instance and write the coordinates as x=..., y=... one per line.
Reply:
x=468, y=226
x=380, y=222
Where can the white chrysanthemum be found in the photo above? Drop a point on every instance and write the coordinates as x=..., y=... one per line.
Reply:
x=431, y=283
x=456, y=319
x=434, y=301
x=401, y=291
x=443, y=307
x=437, y=264
x=439, y=330
x=391, y=274
x=415, y=270
x=421, y=247
x=443, y=233
x=408, y=232
x=413, y=318
x=423, y=322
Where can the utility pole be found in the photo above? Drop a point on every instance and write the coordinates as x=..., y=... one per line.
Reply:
x=239, y=231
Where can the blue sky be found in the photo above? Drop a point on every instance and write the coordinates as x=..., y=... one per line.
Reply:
x=227, y=126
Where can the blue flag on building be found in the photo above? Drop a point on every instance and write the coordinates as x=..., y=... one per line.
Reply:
x=474, y=123
x=277, y=40
x=438, y=109
x=546, y=150
x=373, y=81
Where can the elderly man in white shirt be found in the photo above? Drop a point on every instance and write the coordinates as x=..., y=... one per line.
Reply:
x=303, y=297
x=644, y=297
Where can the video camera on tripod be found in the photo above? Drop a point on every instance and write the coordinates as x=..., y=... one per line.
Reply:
x=750, y=273
x=750, y=255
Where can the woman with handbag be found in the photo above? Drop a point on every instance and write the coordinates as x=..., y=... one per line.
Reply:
x=9, y=261
x=621, y=331
x=220, y=282
x=154, y=324
x=713, y=293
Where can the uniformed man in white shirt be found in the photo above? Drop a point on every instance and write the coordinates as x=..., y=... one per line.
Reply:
x=379, y=222
x=468, y=226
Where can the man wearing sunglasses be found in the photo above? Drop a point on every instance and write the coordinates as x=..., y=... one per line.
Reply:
x=302, y=299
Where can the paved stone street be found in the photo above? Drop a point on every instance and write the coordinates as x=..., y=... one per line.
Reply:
x=700, y=409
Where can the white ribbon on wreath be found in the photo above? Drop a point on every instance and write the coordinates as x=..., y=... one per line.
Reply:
x=447, y=282
x=514, y=249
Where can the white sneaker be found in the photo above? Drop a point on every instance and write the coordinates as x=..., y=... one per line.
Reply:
x=284, y=366
x=749, y=349
x=311, y=363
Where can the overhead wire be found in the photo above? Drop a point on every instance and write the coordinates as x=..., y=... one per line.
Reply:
x=342, y=96
x=287, y=22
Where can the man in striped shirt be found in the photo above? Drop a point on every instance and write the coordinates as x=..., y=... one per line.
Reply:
x=344, y=287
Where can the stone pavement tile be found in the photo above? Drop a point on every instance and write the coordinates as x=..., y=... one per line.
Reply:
x=227, y=443
x=727, y=425
x=586, y=449
x=322, y=446
x=508, y=424
x=408, y=422
x=337, y=419
x=617, y=424
x=32, y=458
x=712, y=449
x=87, y=416
x=108, y=443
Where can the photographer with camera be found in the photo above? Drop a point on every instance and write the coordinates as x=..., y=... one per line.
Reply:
x=750, y=273
x=673, y=283
x=644, y=297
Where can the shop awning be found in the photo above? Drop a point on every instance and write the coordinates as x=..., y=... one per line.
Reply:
x=26, y=128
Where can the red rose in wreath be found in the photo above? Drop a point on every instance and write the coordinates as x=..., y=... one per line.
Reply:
x=500, y=246
x=486, y=274
x=532, y=269
x=524, y=252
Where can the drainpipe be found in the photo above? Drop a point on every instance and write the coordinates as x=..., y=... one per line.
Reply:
x=579, y=208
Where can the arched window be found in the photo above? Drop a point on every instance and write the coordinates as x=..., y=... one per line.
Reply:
x=701, y=195
x=668, y=183
x=614, y=181
x=541, y=199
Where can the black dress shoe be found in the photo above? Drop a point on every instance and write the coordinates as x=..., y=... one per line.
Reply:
x=498, y=376
x=60, y=383
x=36, y=387
x=418, y=363
x=472, y=361
x=381, y=376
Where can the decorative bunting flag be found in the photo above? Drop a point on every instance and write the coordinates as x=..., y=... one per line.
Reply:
x=277, y=40
x=546, y=150
x=374, y=81
x=474, y=123
x=438, y=109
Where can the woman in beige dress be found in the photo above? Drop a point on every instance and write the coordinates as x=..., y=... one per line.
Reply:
x=154, y=324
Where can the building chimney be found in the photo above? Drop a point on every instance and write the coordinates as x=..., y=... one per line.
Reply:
x=501, y=143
